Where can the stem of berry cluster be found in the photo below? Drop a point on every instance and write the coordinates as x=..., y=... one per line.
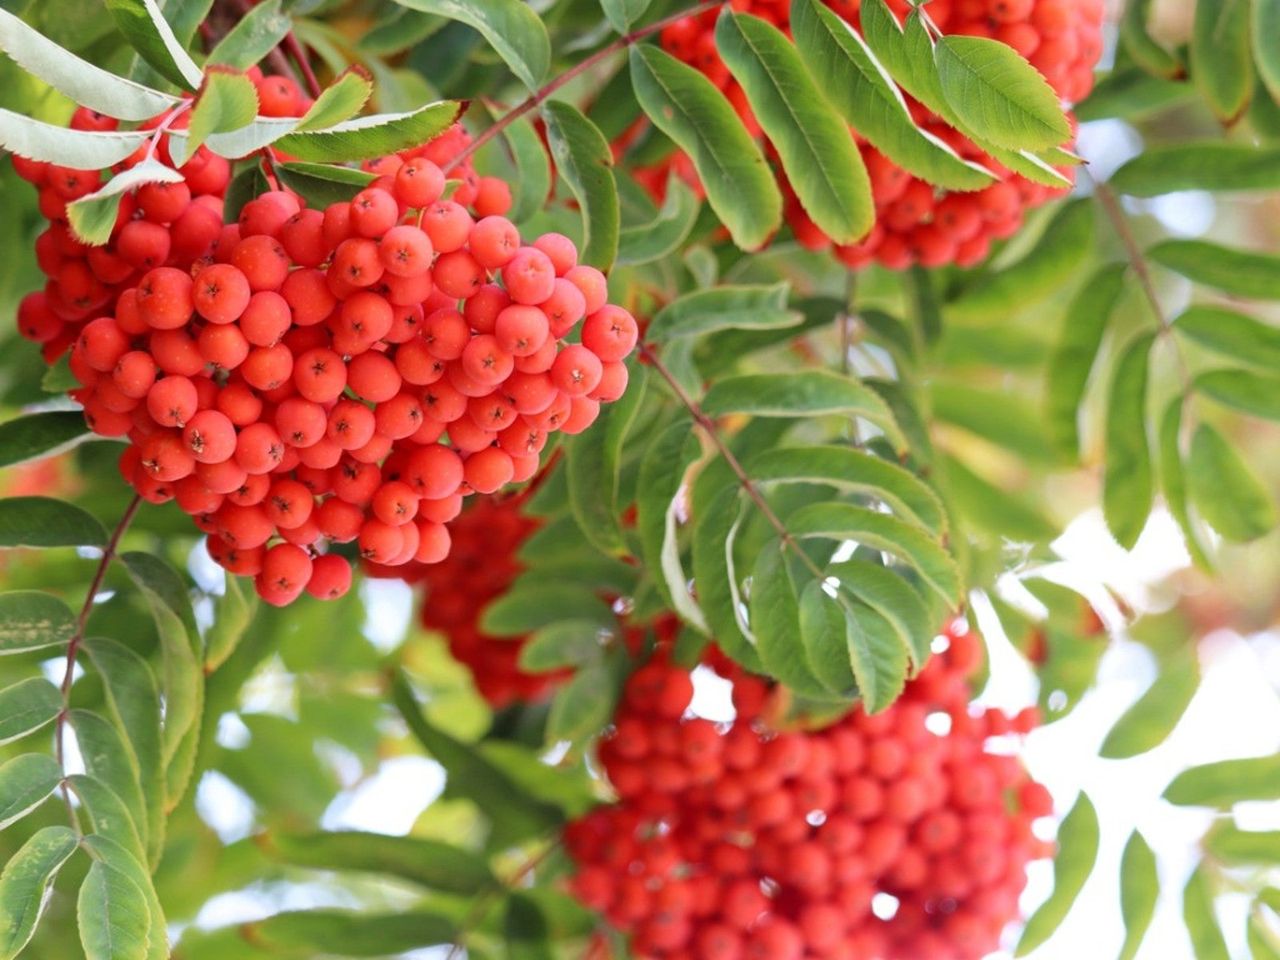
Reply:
x=299, y=54
x=534, y=99
x=77, y=638
x=154, y=143
x=713, y=434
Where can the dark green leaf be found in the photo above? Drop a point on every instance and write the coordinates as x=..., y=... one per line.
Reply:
x=113, y=915
x=583, y=158
x=775, y=622
x=1220, y=62
x=93, y=217
x=1146, y=724
x=510, y=26
x=1266, y=56
x=44, y=522
x=998, y=94
x=585, y=705
x=851, y=77
x=1241, y=272
x=1225, y=491
x=532, y=606
x=1256, y=394
x=533, y=170
x=429, y=863
x=25, y=783
x=824, y=632
x=1213, y=165
x=30, y=620
x=1201, y=919
x=255, y=35
x=877, y=655
x=567, y=643
x=1231, y=334
x=147, y=31
x=26, y=707
x=248, y=183
x=524, y=927
x=1128, y=481
x=1077, y=851
x=688, y=108
x=724, y=308
x=666, y=232
x=375, y=135
x=814, y=144
x=1075, y=352
x=322, y=184
x=1061, y=249
x=1226, y=782
x=1139, y=889
x=25, y=883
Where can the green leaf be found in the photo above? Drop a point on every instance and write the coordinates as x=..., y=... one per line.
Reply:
x=1266, y=57
x=512, y=812
x=1256, y=394
x=248, y=183
x=723, y=308
x=1220, y=62
x=621, y=14
x=111, y=854
x=255, y=35
x=371, y=136
x=530, y=606
x=715, y=574
x=1077, y=851
x=1235, y=847
x=428, y=863
x=662, y=472
x=226, y=102
x=1198, y=913
x=664, y=235
x=25, y=883
x=38, y=435
x=113, y=916
x=234, y=144
x=339, y=101
x=856, y=83
x=689, y=109
x=532, y=170
x=322, y=184
x=585, y=705
x=1130, y=94
x=881, y=531
x=1231, y=334
x=1225, y=491
x=890, y=596
x=110, y=759
x=994, y=508
x=510, y=26
x=1139, y=43
x=524, y=926
x=134, y=702
x=567, y=643
x=1227, y=782
x=1263, y=942
x=1075, y=352
x=31, y=620
x=1246, y=274
x=147, y=31
x=811, y=393
x=1173, y=481
x=852, y=471
x=1128, y=490
x=1148, y=721
x=232, y=614
x=583, y=158
x=93, y=217
x=107, y=813
x=775, y=622
x=26, y=707
x=79, y=149
x=983, y=412
x=814, y=144
x=45, y=522
x=347, y=934
x=26, y=782
x=1139, y=890
x=1058, y=253
x=877, y=655
x=77, y=78
x=998, y=94
x=1212, y=165
x=824, y=633
x=59, y=378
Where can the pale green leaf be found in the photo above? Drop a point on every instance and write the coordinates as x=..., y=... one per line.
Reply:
x=1200, y=916
x=1227, y=782
x=1077, y=851
x=1128, y=479
x=112, y=915
x=25, y=883
x=1211, y=165
x=1149, y=720
x=1256, y=394
x=1231, y=334
x=1139, y=888
x=226, y=102
x=1242, y=272
x=1266, y=55
x=511, y=27
x=80, y=149
x=1225, y=491
x=339, y=101
x=31, y=620
x=26, y=782
x=93, y=217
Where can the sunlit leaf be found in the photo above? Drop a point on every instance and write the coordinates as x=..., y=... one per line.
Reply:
x=1077, y=851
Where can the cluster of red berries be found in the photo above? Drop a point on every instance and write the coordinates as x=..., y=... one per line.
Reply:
x=898, y=836
x=916, y=222
x=291, y=379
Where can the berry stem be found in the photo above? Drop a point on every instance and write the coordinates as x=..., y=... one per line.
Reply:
x=713, y=434
x=77, y=638
x=298, y=52
x=536, y=98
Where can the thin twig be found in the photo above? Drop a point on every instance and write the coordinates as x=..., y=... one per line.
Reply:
x=77, y=638
x=299, y=54
x=548, y=89
x=713, y=434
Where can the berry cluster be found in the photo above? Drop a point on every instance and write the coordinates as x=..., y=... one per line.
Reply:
x=915, y=222
x=887, y=836
x=302, y=377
